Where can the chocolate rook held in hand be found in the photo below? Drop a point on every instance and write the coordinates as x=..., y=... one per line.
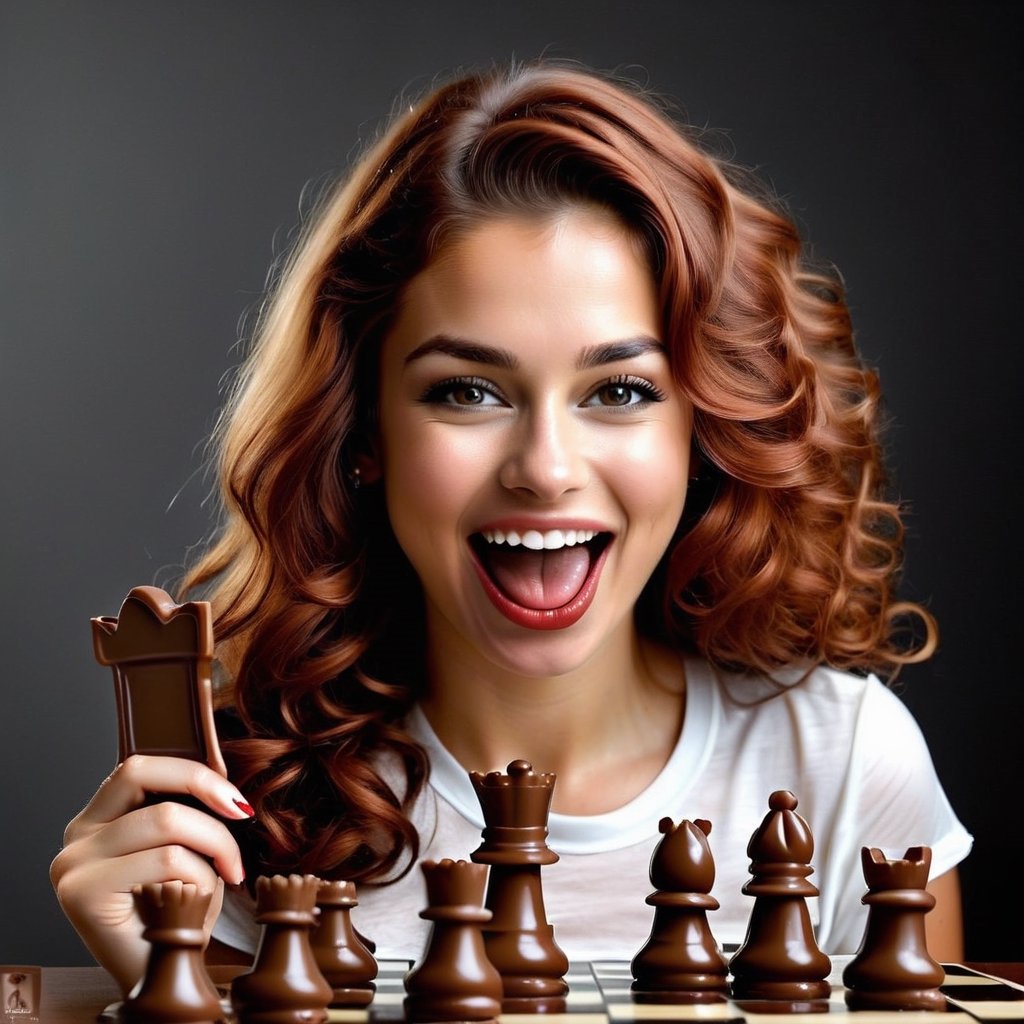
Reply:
x=161, y=653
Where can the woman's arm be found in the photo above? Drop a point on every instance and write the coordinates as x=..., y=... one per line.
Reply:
x=944, y=924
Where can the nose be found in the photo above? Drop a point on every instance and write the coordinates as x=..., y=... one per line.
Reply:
x=546, y=456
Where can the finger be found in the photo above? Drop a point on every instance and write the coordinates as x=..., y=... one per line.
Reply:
x=98, y=899
x=99, y=893
x=167, y=824
x=131, y=781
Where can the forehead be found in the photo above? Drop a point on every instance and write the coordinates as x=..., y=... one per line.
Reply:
x=578, y=274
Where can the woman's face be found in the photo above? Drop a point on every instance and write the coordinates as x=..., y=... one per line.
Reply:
x=533, y=445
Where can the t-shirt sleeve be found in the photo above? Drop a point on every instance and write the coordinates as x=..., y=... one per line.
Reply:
x=236, y=926
x=891, y=799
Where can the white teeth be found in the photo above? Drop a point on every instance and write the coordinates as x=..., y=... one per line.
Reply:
x=534, y=540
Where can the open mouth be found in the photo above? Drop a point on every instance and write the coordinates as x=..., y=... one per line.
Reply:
x=541, y=579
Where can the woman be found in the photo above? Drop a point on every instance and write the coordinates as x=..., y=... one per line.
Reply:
x=548, y=448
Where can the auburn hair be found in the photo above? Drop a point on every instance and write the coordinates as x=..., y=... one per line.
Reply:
x=788, y=550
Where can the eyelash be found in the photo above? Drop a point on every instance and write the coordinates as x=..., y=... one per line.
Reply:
x=437, y=394
x=442, y=391
x=648, y=391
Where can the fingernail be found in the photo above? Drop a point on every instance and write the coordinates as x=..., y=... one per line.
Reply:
x=243, y=806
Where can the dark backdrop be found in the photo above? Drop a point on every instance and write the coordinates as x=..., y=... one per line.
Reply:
x=153, y=155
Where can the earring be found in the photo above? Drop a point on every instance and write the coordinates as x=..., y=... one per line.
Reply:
x=356, y=478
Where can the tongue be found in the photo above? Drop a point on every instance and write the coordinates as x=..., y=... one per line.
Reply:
x=539, y=579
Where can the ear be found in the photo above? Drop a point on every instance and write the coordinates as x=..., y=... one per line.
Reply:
x=366, y=461
x=696, y=462
x=368, y=468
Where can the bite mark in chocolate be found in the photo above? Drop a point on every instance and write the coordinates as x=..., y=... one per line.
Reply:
x=161, y=655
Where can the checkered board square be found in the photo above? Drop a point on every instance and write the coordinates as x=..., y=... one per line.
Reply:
x=599, y=993
x=970, y=997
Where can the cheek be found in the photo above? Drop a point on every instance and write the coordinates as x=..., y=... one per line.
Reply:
x=430, y=482
x=415, y=511
x=654, y=470
x=415, y=472
x=415, y=495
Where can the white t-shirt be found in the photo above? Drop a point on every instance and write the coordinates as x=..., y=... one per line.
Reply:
x=844, y=745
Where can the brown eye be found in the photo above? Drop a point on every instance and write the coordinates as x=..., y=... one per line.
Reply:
x=469, y=395
x=463, y=393
x=624, y=393
x=616, y=394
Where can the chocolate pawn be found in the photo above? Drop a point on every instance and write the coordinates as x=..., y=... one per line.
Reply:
x=681, y=961
x=518, y=939
x=454, y=981
x=893, y=969
x=343, y=959
x=175, y=987
x=285, y=985
x=779, y=959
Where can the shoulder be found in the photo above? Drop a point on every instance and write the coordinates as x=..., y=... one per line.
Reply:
x=823, y=698
x=823, y=722
x=866, y=698
x=879, y=721
x=860, y=723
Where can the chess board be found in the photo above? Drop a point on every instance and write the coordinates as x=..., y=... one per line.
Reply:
x=599, y=994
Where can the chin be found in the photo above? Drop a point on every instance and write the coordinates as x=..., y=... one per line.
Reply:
x=542, y=656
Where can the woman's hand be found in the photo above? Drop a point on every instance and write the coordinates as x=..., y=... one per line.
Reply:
x=118, y=841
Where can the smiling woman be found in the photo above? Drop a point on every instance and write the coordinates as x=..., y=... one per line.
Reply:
x=560, y=414
x=548, y=447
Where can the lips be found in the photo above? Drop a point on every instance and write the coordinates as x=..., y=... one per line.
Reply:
x=540, y=579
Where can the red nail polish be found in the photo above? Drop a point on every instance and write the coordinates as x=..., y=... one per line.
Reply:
x=243, y=806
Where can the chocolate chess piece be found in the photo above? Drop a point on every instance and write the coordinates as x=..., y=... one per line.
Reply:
x=161, y=655
x=175, y=986
x=454, y=981
x=343, y=959
x=779, y=959
x=680, y=961
x=285, y=985
x=518, y=939
x=892, y=969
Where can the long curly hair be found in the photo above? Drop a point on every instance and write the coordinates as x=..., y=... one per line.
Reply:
x=788, y=550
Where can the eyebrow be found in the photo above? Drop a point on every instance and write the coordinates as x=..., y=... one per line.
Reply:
x=615, y=351
x=476, y=352
x=461, y=348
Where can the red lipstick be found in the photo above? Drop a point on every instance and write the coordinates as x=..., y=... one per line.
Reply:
x=545, y=618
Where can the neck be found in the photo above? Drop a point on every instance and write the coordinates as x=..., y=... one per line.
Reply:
x=606, y=728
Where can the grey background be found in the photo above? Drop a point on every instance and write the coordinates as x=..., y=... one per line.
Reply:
x=153, y=155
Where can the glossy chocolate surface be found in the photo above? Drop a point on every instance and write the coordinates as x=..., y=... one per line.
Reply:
x=681, y=956
x=341, y=955
x=893, y=969
x=455, y=980
x=285, y=985
x=175, y=986
x=518, y=938
x=161, y=655
x=779, y=960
